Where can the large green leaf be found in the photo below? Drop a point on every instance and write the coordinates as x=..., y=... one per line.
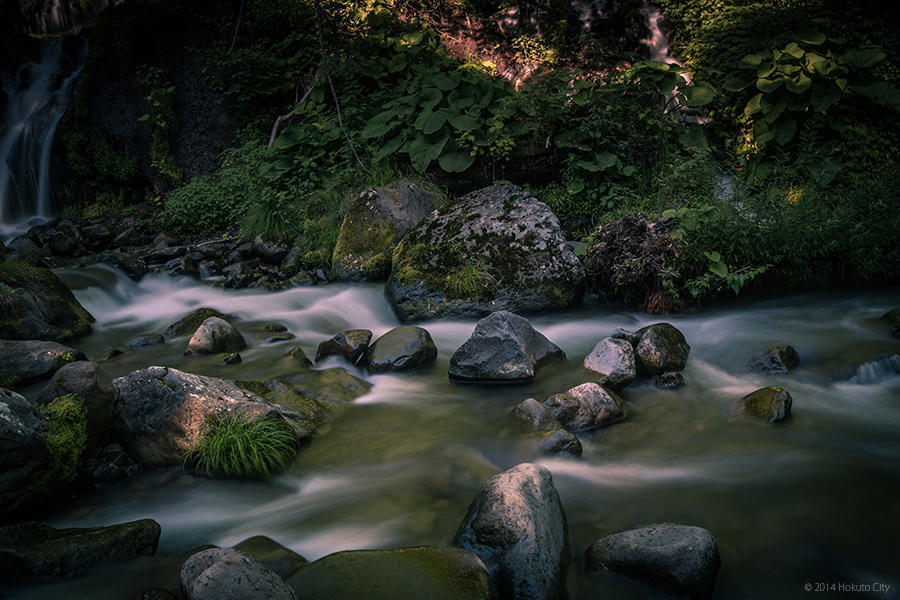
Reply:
x=430, y=97
x=463, y=122
x=752, y=61
x=435, y=121
x=816, y=63
x=426, y=148
x=769, y=85
x=824, y=96
x=443, y=82
x=785, y=130
x=882, y=92
x=773, y=107
x=754, y=105
x=697, y=95
x=761, y=132
x=606, y=160
x=798, y=84
x=794, y=50
x=736, y=83
x=588, y=166
x=863, y=59
x=813, y=38
x=378, y=125
x=460, y=103
x=390, y=147
x=456, y=162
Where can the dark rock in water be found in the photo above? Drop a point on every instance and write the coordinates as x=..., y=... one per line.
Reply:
x=111, y=353
x=400, y=349
x=183, y=265
x=775, y=360
x=503, y=348
x=352, y=344
x=613, y=359
x=24, y=361
x=94, y=386
x=587, y=406
x=215, y=335
x=95, y=234
x=271, y=252
x=669, y=380
x=680, y=559
x=224, y=573
x=190, y=323
x=24, y=250
x=660, y=348
x=877, y=369
x=299, y=356
x=498, y=248
x=535, y=414
x=517, y=526
x=422, y=573
x=275, y=327
x=560, y=442
x=109, y=464
x=160, y=256
x=293, y=262
x=232, y=359
x=376, y=220
x=142, y=341
x=281, y=337
x=892, y=320
x=272, y=555
x=36, y=305
x=129, y=264
x=64, y=242
x=240, y=275
x=771, y=404
x=23, y=455
x=34, y=549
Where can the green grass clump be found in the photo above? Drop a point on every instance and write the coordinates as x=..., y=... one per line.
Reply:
x=466, y=282
x=66, y=437
x=235, y=446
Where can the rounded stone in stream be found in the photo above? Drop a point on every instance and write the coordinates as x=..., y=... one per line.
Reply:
x=669, y=381
x=229, y=574
x=191, y=322
x=352, y=344
x=613, y=359
x=400, y=349
x=770, y=404
x=660, y=348
x=517, y=526
x=775, y=360
x=215, y=335
x=680, y=559
x=560, y=442
x=272, y=555
x=142, y=341
x=587, y=406
x=111, y=353
x=535, y=414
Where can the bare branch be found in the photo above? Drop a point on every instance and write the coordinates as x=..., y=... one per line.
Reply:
x=288, y=116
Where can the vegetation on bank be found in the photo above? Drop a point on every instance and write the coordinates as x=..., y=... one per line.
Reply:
x=779, y=158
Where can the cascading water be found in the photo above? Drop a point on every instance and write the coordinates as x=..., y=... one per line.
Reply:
x=37, y=95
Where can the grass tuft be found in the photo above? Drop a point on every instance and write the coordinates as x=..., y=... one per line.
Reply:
x=234, y=446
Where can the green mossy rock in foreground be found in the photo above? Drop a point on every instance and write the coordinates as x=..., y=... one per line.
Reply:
x=770, y=404
x=373, y=225
x=36, y=305
x=424, y=573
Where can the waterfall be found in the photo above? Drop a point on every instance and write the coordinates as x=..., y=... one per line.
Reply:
x=37, y=95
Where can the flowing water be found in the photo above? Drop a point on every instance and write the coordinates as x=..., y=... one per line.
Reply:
x=814, y=499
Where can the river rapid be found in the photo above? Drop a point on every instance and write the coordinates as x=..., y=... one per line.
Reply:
x=811, y=500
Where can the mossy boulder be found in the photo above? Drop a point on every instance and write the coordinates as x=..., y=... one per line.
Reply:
x=94, y=386
x=777, y=360
x=661, y=347
x=770, y=404
x=215, y=336
x=25, y=361
x=498, y=248
x=36, y=305
x=23, y=455
x=189, y=323
x=33, y=549
x=352, y=344
x=272, y=555
x=560, y=442
x=425, y=573
x=377, y=219
x=66, y=419
x=401, y=349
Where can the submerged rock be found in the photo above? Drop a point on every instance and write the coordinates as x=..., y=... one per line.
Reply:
x=214, y=336
x=24, y=361
x=95, y=388
x=660, y=348
x=23, y=455
x=517, y=526
x=680, y=559
x=771, y=404
x=669, y=380
x=143, y=341
x=587, y=406
x=423, y=573
x=536, y=414
x=498, y=248
x=352, y=344
x=34, y=549
x=560, y=442
x=400, y=349
x=613, y=359
x=775, y=360
x=376, y=220
x=299, y=356
x=229, y=574
x=503, y=348
x=129, y=264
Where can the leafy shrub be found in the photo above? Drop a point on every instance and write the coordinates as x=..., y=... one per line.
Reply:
x=235, y=446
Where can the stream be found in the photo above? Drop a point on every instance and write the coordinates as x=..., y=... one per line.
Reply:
x=814, y=499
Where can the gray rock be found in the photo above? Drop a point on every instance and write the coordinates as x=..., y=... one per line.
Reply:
x=23, y=455
x=24, y=361
x=535, y=414
x=560, y=442
x=877, y=369
x=376, y=220
x=669, y=380
x=775, y=360
x=24, y=250
x=94, y=386
x=182, y=265
x=661, y=348
x=142, y=341
x=229, y=574
x=352, y=344
x=613, y=360
x=770, y=404
x=498, y=248
x=160, y=256
x=680, y=559
x=272, y=555
x=160, y=412
x=587, y=406
x=190, y=323
x=36, y=305
x=111, y=353
x=131, y=265
x=400, y=349
x=215, y=335
x=109, y=464
x=32, y=549
x=503, y=348
x=517, y=526
x=422, y=573
x=271, y=252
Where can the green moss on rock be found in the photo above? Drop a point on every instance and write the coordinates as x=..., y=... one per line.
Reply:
x=66, y=437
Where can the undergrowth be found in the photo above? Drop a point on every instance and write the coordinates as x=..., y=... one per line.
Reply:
x=235, y=446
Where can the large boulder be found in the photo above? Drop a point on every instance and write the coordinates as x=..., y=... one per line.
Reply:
x=498, y=248
x=160, y=412
x=272, y=555
x=23, y=455
x=401, y=349
x=24, y=361
x=34, y=549
x=503, y=348
x=376, y=220
x=613, y=360
x=661, y=347
x=36, y=305
x=770, y=404
x=215, y=336
x=587, y=406
x=190, y=323
x=95, y=388
x=680, y=559
x=422, y=573
x=352, y=344
x=517, y=526
x=776, y=360
x=229, y=574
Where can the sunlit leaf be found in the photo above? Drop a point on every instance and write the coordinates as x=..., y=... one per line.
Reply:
x=794, y=50
x=798, y=84
x=698, y=95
